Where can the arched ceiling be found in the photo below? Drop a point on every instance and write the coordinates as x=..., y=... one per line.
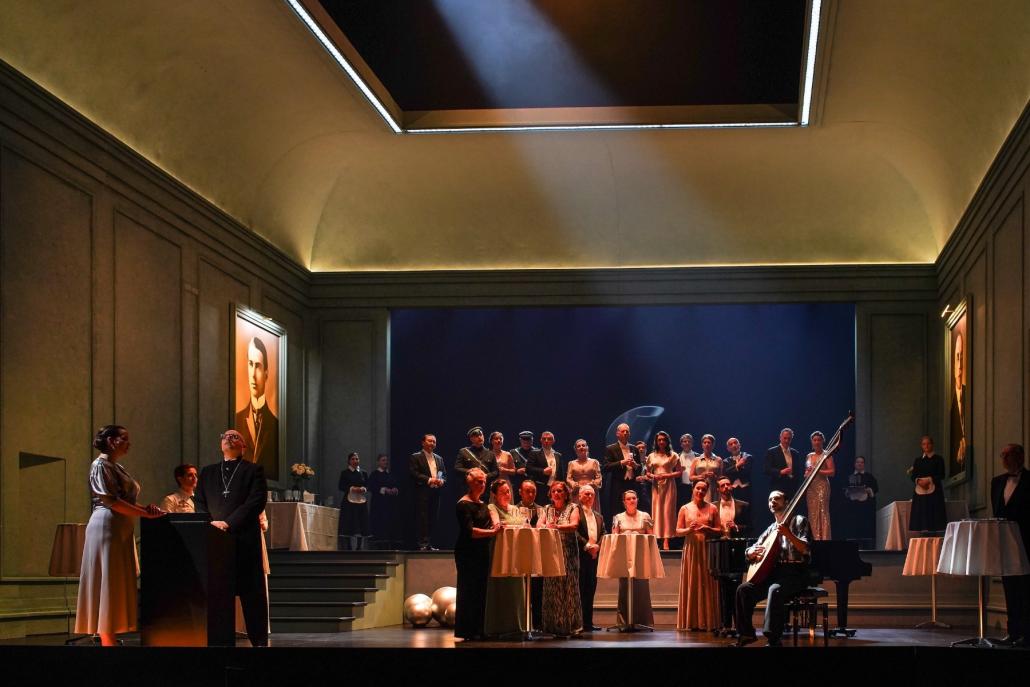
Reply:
x=237, y=101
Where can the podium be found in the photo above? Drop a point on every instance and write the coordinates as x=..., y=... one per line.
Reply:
x=186, y=582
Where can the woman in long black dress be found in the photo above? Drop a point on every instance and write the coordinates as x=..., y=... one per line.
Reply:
x=382, y=488
x=928, y=513
x=472, y=557
x=353, y=508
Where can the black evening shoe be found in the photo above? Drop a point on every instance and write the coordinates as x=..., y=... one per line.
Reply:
x=744, y=640
x=774, y=641
x=1009, y=640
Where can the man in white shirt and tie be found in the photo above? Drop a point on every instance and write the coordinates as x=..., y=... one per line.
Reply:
x=622, y=463
x=428, y=473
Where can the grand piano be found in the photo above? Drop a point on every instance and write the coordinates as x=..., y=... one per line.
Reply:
x=839, y=561
x=831, y=560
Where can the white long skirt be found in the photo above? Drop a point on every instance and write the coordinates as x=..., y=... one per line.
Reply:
x=107, y=583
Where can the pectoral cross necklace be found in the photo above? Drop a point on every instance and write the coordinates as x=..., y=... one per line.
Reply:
x=225, y=484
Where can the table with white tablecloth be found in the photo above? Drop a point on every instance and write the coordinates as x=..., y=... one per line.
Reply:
x=892, y=533
x=302, y=526
x=634, y=557
x=528, y=552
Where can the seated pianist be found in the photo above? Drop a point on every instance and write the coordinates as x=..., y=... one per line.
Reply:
x=788, y=577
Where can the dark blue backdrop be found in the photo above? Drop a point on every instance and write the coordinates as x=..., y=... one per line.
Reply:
x=728, y=370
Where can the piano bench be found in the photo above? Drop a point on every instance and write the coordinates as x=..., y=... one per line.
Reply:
x=803, y=611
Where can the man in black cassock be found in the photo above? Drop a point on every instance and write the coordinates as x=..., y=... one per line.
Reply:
x=234, y=492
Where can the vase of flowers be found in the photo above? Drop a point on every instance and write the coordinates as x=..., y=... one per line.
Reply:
x=301, y=473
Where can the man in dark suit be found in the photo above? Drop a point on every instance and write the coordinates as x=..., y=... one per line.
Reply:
x=588, y=536
x=1010, y=499
x=255, y=421
x=234, y=492
x=429, y=474
x=622, y=464
x=737, y=466
x=782, y=465
x=544, y=468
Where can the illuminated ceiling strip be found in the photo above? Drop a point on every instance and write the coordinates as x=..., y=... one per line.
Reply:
x=813, y=40
x=316, y=30
x=604, y=127
x=806, y=105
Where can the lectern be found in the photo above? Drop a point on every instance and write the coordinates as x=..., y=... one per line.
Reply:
x=186, y=582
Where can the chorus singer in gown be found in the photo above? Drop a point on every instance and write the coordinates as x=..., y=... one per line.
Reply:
x=591, y=529
x=633, y=521
x=505, y=596
x=563, y=612
x=928, y=509
x=234, y=492
x=707, y=466
x=504, y=460
x=698, y=520
x=663, y=468
x=107, y=582
x=1010, y=499
x=472, y=557
x=583, y=469
x=622, y=464
x=782, y=464
x=818, y=495
x=788, y=578
x=685, y=485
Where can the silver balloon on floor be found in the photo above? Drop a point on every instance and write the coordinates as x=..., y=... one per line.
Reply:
x=418, y=610
x=443, y=599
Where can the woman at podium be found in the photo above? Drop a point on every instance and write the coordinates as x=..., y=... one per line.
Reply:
x=107, y=583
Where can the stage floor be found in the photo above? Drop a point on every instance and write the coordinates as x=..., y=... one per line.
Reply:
x=400, y=656
x=663, y=637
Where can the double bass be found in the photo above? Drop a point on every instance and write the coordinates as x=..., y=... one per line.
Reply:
x=760, y=569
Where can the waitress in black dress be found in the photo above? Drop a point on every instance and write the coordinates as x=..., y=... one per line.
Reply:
x=928, y=514
x=354, y=506
x=472, y=557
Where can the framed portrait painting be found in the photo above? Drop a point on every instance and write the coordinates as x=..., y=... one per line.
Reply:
x=960, y=458
x=259, y=388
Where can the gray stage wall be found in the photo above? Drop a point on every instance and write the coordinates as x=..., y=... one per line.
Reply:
x=115, y=291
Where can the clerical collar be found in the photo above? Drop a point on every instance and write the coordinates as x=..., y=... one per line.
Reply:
x=258, y=403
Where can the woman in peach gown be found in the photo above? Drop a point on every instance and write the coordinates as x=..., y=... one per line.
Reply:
x=698, y=598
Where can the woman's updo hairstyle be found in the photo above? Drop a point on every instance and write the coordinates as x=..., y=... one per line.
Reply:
x=104, y=435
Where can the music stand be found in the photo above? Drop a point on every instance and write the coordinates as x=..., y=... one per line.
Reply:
x=984, y=548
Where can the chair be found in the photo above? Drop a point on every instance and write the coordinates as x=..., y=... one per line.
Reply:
x=803, y=611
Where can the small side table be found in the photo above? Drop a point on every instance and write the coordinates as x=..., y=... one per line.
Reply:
x=922, y=558
x=635, y=557
x=984, y=548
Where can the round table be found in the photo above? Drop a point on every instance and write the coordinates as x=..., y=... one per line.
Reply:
x=528, y=552
x=633, y=556
x=923, y=555
x=983, y=548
